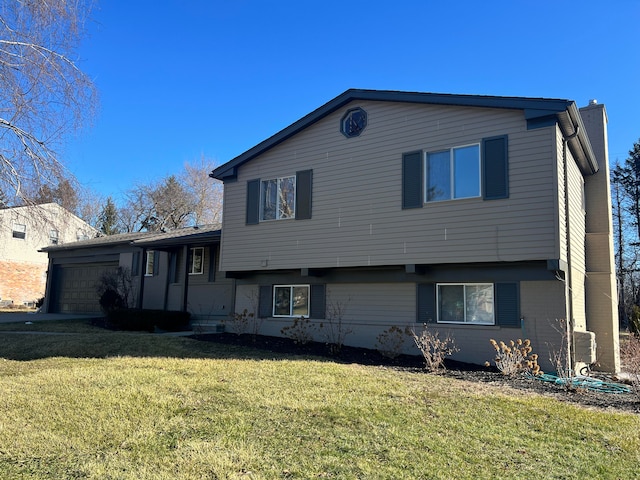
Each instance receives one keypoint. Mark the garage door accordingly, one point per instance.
(73, 287)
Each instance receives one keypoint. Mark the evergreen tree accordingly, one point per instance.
(625, 182)
(108, 220)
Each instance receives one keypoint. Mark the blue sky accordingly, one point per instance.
(179, 79)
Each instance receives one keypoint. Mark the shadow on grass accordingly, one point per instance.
(84, 339)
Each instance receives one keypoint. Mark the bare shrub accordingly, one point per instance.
(238, 323)
(515, 358)
(115, 289)
(300, 331)
(433, 348)
(391, 341)
(246, 321)
(333, 328)
(630, 353)
(560, 355)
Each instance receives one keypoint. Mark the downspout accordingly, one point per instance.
(569, 277)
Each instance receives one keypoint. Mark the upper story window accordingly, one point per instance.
(466, 303)
(150, 263)
(196, 261)
(470, 171)
(278, 198)
(453, 173)
(53, 237)
(353, 122)
(19, 231)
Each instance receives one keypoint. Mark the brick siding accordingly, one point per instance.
(22, 282)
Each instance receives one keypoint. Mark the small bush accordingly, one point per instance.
(300, 331)
(238, 323)
(391, 341)
(334, 329)
(117, 281)
(515, 358)
(111, 300)
(630, 355)
(433, 348)
(634, 320)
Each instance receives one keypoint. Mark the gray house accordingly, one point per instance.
(176, 270)
(484, 217)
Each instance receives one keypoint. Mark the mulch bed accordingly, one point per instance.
(614, 402)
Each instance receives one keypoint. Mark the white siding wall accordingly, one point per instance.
(357, 216)
(39, 222)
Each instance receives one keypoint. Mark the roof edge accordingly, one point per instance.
(535, 107)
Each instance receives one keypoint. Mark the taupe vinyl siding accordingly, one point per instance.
(357, 195)
(577, 234)
(375, 304)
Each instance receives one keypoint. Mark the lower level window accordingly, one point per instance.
(291, 301)
(466, 303)
(149, 265)
(196, 257)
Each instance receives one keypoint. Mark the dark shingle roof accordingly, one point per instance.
(145, 239)
(536, 110)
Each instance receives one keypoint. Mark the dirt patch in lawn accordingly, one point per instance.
(482, 377)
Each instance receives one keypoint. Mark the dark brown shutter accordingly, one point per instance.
(253, 202)
(495, 167)
(426, 308)
(412, 180)
(304, 184)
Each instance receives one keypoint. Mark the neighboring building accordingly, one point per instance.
(23, 232)
(485, 217)
(176, 270)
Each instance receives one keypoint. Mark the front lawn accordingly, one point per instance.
(111, 405)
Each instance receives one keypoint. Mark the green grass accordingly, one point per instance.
(110, 405)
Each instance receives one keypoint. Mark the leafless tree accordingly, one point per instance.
(44, 96)
(206, 192)
(137, 209)
(173, 205)
(164, 205)
(188, 198)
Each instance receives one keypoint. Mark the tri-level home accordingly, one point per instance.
(480, 216)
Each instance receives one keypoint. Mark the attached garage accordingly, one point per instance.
(75, 287)
(75, 270)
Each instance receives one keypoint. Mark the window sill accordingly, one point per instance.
(468, 324)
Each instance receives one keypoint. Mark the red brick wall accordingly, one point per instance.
(22, 282)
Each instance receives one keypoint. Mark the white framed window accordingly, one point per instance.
(149, 263)
(196, 261)
(19, 231)
(81, 235)
(278, 198)
(453, 173)
(466, 303)
(53, 237)
(291, 300)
